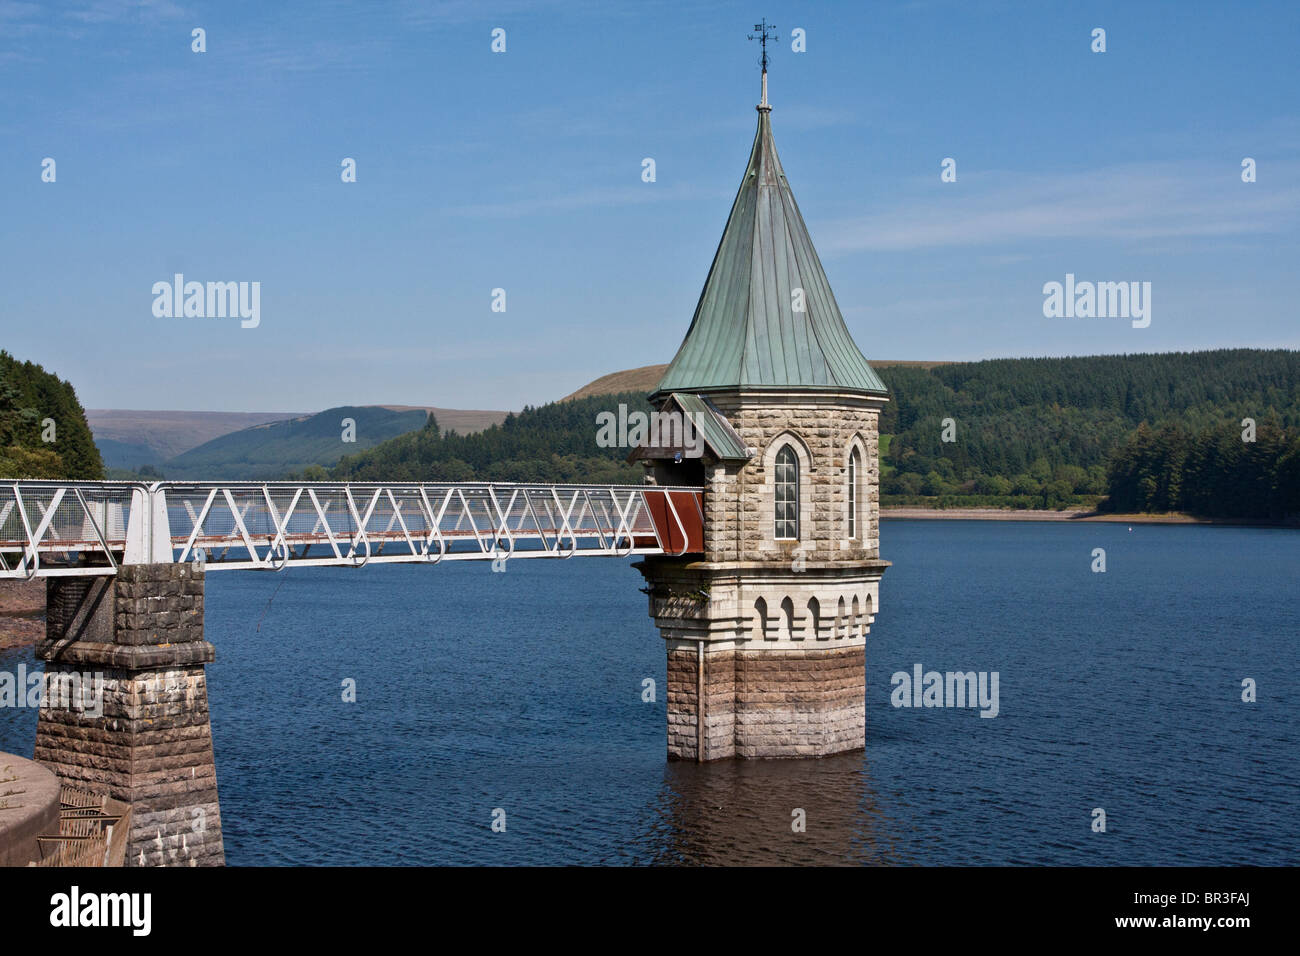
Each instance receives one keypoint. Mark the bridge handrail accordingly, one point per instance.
(272, 524)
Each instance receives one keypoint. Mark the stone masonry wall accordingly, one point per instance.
(802, 703)
(761, 703)
(719, 700)
(137, 638)
(738, 518)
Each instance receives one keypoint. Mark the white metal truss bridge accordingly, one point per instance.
(50, 528)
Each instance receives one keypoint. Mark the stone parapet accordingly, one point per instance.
(761, 605)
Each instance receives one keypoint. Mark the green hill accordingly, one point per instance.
(130, 437)
(1041, 432)
(276, 449)
(36, 405)
(128, 456)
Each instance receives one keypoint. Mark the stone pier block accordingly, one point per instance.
(126, 705)
(766, 703)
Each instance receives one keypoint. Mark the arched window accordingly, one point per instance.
(815, 617)
(853, 494)
(787, 495)
(787, 618)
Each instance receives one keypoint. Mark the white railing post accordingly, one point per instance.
(160, 532)
(148, 537)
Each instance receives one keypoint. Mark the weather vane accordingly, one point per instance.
(763, 32)
(762, 36)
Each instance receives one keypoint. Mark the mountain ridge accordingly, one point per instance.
(130, 438)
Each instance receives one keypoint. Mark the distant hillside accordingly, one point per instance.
(275, 449)
(120, 455)
(43, 430)
(1044, 432)
(465, 421)
(1028, 433)
(165, 434)
(645, 378)
(131, 438)
(906, 363)
(551, 443)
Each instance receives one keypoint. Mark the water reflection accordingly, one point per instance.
(739, 813)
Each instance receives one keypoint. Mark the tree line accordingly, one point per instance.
(1043, 432)
(43, 429)
(1223, 471)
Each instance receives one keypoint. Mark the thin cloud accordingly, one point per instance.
(118, 11)
(1129, 203)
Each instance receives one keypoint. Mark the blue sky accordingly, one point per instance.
(522, 171)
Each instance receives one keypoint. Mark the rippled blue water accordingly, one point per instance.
(523, 691)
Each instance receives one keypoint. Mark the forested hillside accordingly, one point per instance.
(551, 443)
(1028, 433)
(1041, 432)
(1212, 472)
(43, 430)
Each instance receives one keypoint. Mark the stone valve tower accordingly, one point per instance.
(766, 630)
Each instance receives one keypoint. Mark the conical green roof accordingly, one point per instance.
(746, 332)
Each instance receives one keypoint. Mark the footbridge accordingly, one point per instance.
(51, 528)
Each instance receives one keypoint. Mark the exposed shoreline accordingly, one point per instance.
(22, 612)
(1013, 514)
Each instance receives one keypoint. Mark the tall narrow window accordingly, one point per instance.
(853, 495)
(787, 495)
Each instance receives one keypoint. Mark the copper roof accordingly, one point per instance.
(747, 332)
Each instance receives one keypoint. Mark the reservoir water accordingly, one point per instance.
(523, 691)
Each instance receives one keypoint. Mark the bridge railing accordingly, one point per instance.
(53, 528)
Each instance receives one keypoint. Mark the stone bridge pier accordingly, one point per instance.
(126, 705)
